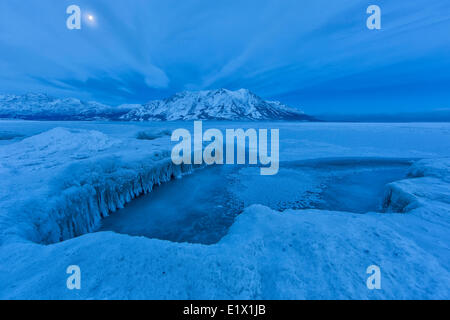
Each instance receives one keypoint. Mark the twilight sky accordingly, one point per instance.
(317, 55)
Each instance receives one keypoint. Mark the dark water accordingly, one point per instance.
(200, 208)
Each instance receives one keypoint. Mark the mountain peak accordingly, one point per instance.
(218, 104)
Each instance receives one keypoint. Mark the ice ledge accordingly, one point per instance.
(77, 209)
(427, 184)
(64, 197)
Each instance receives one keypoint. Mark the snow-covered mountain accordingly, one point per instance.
(39, 106)
(218, 104)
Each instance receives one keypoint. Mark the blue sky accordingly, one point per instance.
(316, 55)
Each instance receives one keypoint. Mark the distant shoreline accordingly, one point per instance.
(236, 121)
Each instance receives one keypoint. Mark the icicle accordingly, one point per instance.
(79, 209)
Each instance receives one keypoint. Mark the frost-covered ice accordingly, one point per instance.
(61, 179)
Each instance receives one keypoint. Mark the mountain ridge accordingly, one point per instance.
(40, 106)
(219, 104)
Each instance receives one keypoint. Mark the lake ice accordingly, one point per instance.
(104, 196)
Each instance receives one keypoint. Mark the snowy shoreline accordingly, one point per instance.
(295, 254)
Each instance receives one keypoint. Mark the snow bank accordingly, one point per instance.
(438, 168)
(427, 184)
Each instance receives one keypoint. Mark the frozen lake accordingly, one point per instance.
(200, 208)
(59, 179)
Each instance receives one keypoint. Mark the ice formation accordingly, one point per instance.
(86, 191)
